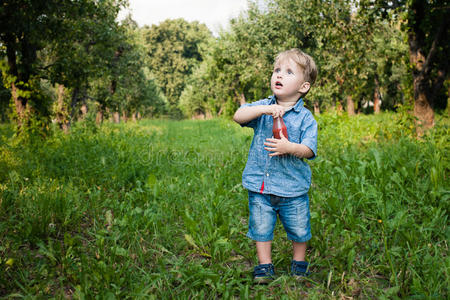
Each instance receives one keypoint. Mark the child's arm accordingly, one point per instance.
(245, 114)
(284, 146)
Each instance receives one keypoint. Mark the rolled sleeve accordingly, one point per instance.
(254, 122)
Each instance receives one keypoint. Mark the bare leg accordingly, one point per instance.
(264, 252)
(299, 251)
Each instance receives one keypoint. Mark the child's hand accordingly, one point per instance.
(275, 110)
(278, 146)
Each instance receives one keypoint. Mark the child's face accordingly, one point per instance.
(287, 81)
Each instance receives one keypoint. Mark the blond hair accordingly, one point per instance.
(306, 63)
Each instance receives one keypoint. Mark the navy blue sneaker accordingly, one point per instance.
(299, 269)
(263, 273)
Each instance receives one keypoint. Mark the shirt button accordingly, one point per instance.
(267, 174)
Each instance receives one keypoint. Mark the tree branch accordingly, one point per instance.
(427, 67)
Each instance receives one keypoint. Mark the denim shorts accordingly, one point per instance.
(292, 211)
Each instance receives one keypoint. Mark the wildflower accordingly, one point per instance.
(380, 221)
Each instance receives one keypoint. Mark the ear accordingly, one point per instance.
(304, 88)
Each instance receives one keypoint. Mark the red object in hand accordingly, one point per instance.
(278, 126)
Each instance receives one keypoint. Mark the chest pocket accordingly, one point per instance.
(293, 127)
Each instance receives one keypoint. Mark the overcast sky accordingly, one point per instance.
(215, 14)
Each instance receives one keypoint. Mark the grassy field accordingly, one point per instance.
(156, 210)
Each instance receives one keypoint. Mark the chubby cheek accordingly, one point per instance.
(273, 79)
(272, 85)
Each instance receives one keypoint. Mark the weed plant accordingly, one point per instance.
(156, 210)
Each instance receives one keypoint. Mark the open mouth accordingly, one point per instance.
(278, 84)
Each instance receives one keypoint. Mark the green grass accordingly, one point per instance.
(156, 210)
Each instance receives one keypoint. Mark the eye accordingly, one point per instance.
(277, 70)
(289, 71)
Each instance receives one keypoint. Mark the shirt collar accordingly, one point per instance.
(297, 107)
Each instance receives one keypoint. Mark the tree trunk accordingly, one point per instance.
(99, 117)
(116, 117)
(21, 105)
(220, 111)
(84, 111)
(316, 108)
(74, 102)
(19, 102)
(21, 57)
(422, 111)
(376, 97)
(198, 116)
(339, 108)
(242, 99)
(133, 117)
(350, 106)
(124, 116)
(61, 114)
(429, 69)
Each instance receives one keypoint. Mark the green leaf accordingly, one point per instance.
(190, 240)
(151, 180)
(121, 251)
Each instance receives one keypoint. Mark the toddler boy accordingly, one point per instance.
(276, 175)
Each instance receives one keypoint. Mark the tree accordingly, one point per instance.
(359, 48)
(23, 24)
(32, 29)
(136, 92)
(90, 53)
(427, 25)
(238, 64)
(174, 48)
(428, 38)
(391, 82)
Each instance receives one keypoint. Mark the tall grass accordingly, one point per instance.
(156, 210)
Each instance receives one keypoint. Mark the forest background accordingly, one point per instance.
(63, 62)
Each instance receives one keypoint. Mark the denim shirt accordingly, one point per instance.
(286, 175)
